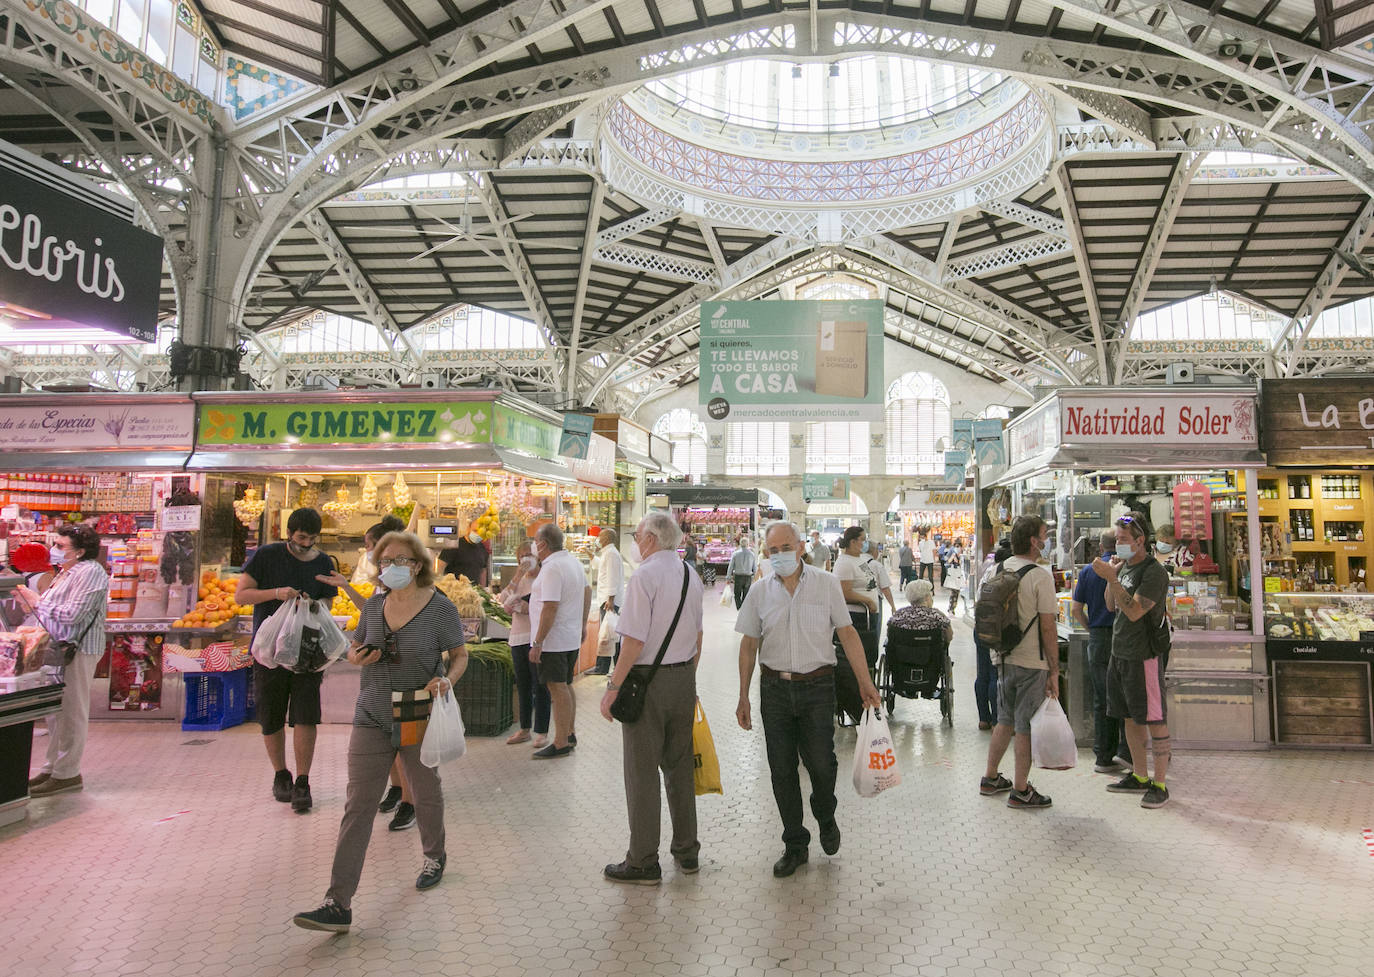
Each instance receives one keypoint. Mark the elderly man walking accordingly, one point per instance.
(559, 602)
(610, 586)
(661, 619)
(786, 622)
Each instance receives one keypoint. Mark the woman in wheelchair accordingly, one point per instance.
(921, 615)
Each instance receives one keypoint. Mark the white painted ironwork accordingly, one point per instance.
(637, 224)
(642, 259)
(1006, 256)
(1294, 335)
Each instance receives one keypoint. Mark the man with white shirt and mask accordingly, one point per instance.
(662, 612)
(610, 585)
(786, 623)
(559, 603)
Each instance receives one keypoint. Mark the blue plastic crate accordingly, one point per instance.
(215, 700)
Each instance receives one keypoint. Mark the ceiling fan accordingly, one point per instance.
(296, 285)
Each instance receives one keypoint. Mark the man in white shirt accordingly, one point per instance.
(1031, 671)
(610, 586)
(925, 549)
(820, 553)
(786, 623)
(559, 604)
(657, 610)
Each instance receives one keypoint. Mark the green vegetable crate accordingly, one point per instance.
(486, 692)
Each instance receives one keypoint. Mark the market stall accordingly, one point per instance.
(714, 517)
(27, 694)
(1083, 456)
(946, 513)
(1314, 506)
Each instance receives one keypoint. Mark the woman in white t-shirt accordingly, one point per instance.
(859, 581)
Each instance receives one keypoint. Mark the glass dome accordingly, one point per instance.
(827, 151)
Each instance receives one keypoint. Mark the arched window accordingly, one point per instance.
(687, 434)
(999, 412)
(917, 418)
(837, 447)
(756, 448)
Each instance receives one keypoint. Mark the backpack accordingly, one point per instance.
(996, 614)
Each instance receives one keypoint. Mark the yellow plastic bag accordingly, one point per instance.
(707, 766)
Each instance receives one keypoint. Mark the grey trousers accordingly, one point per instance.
(369, 762)
(67, 729)
(661, 739)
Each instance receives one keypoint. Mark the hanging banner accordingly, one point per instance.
(989, 448)
(577, 435)
(962, 436)
(825, 488)
(598, 468)
(956, 467)
(74, 264)
(789, 361)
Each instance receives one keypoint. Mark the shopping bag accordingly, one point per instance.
(444, 736)
(1052, 744)
(609, 620)
(726, 597)
(706, 765)
(322, 643)
(875, 764)
(264, 647)
(288, 646)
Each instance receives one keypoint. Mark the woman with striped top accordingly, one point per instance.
(71, 609)
(409, 643)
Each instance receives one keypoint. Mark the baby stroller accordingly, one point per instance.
(916, 665)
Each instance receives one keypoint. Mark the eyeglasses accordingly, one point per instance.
(400, 561)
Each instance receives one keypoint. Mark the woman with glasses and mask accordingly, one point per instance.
(71, 609)
(409, 643)
(532, 695)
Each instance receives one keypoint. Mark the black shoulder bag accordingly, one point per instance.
(629, 702)
(60, 653)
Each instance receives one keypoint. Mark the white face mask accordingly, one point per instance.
(784, 564)
(529, 563)
(474, 537)
(395, 577)
(1125, 551)
(1164, 547)
(56, 556)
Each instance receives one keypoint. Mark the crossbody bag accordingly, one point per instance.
(629, 702)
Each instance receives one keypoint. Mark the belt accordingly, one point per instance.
(672, 665)
(821, 672)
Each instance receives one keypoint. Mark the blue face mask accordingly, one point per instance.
(866, 547)
(783, 564)
(1125, 551)
(395, 577)
(1164, 547)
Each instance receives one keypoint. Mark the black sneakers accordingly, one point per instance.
(405, 817)
(301, 801)
(1029, 799)
(389, 802)
(1129, 784)
(987, 786)
(1156, 795)
(627, 873)
(281, 786)
(688, 865)
(331, 918)
(431, 872)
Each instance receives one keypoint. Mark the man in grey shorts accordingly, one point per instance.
(1030, 672)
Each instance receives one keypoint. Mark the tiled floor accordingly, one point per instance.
(175, 861)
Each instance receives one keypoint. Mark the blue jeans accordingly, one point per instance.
(799, 723)
(533, 696)
(985, 685)
(1106, 730)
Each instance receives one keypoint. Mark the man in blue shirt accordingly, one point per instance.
(1089, 609)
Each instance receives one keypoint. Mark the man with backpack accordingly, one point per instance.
(1015, 616)
(1136, 588)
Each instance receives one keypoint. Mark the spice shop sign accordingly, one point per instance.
(97, 427)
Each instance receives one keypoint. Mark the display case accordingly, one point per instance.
(1320, 648)
(26, 695)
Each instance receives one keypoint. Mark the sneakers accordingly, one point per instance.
(281, 786)
(301, 801)
(331, 918)
(405, 817)
(431, 872)
(830, 838)
(552, 752)
(994, 785)
(56, 785)
(1030, 798)
(389, 802)
(627, 873)
(688, 865)
(1110, 766)
(1129, 784)
(1156, 795)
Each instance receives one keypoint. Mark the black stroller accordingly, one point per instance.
(916, 665)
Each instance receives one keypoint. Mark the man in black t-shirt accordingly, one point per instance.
(470, 559)
(276, 573)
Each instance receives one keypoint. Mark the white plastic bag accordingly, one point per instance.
(609, 621)
(875, 764)
(1052, 745)
(288, 644)
(727, 596)
(444, 735)
(322, 643)
(264, 646)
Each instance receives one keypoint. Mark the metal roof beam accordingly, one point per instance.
(583, 272)
(1080, 257)
(1316, 300)
(1007, 256)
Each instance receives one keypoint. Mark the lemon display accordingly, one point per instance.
(343, 605)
